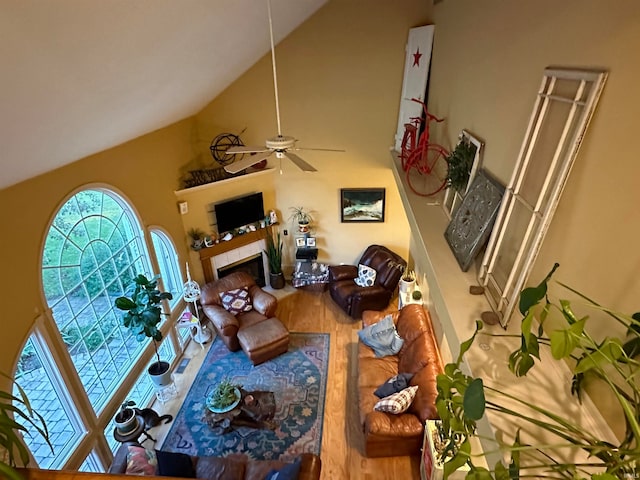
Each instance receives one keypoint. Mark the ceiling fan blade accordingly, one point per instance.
(240, 165)
(320, 149)
(304, 166)
(246, 149)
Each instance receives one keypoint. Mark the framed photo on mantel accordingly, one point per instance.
(362, 204)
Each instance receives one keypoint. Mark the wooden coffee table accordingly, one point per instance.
(255, 410)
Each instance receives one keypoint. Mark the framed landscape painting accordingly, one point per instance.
(362, 204)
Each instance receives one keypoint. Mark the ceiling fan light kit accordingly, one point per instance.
(280, 144)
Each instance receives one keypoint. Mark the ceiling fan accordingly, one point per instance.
(281, 145)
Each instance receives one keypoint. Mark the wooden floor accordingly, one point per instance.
(342, 439)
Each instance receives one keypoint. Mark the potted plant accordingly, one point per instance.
(460, 163)
(17, 417)
(142, 315)
(435, 453)
(407, 282)
(274, 258)
(224, 397)
(303, 217)
(197, 238)
(125, 419)
(461, 400)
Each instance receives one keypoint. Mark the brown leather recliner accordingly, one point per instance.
(354, 299)
(226, 324)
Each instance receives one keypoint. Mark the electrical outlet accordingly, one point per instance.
(184, 208)
(286, 232)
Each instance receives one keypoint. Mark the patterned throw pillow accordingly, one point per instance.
(366, 276)
(236, 301)
(382, 337)
(141, 461)
(398, 402)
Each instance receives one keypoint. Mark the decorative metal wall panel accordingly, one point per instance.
(472, 222)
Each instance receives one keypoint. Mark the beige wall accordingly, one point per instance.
(488, 62)
(145, 171)
(339, 77)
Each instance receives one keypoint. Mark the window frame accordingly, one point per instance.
(91, 421)
(503, 296)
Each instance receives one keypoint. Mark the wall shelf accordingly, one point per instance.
(207, 186)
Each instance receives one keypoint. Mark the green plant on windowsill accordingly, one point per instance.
(16, 417)
(460, 163)
(142, 307)
(461, 400)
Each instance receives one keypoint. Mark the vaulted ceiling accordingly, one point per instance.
(81, 76)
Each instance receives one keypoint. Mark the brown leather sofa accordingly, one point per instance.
(234, 467)
(387, 434)
(354, 299)
(257, 332)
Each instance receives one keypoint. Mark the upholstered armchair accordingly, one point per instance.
(354, 298)
(227, 324)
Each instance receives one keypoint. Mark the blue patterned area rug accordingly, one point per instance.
(298, 379)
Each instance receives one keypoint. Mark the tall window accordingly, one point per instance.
(93, 249)
(168, 263)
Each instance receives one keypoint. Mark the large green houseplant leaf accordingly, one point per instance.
(461, 400)
(17, 417)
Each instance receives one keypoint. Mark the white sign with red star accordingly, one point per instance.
(416, 74)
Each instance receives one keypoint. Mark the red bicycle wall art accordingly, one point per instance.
(424, 162)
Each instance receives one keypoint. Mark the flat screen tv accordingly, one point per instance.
(237, 212)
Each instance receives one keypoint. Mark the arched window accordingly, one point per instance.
(94, 247)
(168, 263)
(93, 250)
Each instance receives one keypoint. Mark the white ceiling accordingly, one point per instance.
(81, 76)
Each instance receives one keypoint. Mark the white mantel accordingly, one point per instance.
(239, 248)
(240, 254)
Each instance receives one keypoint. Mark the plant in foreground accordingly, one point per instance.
(17, 417)
(461, 400)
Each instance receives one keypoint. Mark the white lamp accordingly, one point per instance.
(191, 294)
